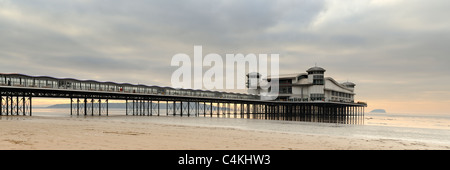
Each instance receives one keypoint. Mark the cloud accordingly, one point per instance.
(389, 48)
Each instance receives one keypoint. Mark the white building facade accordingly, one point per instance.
(311, 86)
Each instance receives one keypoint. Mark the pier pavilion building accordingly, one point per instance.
(309, 86)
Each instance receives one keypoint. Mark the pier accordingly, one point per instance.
(92, 98)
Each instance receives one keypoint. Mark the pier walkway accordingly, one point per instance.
(90, 97)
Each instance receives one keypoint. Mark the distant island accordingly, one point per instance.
(378, 111)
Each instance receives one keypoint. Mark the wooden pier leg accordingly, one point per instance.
(255, 111)
(78, 106)
(277, 112)
(181, 108)
(71, 106)
(1, 105)
(150, 109)
(107, 107)
(17, 105)
(31, 106)
(293, 114)
(198, 109)
(218, 109)
(7, 105)
(138, 107)
(221, 109)
(229, 110)
(235, 110)
(189, 108)
(133, 106)
(211, 109)
(92, 107)
(254, 115)
(204, 109)
(248, 110)
(265, 111)
(85, 106)
(174, 110)
(241, 110)
(12, 105)
(99, 107)
(141, 107)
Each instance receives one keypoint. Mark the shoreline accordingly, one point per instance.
(75, 133)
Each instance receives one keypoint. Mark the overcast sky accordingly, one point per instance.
(395, 51)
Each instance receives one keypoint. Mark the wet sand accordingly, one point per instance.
(72, 133)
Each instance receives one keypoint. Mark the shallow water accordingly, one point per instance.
(408, 120)
(412, 127)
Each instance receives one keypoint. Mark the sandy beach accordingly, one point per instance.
(75, 133)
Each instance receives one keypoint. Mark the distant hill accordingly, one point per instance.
(110, 105)
(378, 111)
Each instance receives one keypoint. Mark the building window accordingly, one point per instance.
(317, 96)
(302, 77)
(318, 80)
(285, 90)
(285, 81)
(316, 72)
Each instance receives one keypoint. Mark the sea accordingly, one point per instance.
(434, 128)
